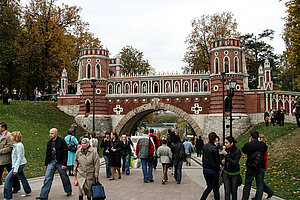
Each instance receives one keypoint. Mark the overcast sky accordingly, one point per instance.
(159, 27)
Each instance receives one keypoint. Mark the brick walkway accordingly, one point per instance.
(132, 187)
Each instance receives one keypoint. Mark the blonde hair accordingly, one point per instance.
(263, 138)
(17, 136)
(123, 137)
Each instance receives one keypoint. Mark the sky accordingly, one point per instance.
(159, 28)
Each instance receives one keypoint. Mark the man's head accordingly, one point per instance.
(254, 135)
(3, 127)
(53, 133)
(151, 130)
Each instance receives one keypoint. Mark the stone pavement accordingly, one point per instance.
(132, 187)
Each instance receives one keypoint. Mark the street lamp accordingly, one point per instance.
(93, 85)
(223, 103)
(230, 85)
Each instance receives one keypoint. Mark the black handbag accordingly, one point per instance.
(71, 147)
(98, 191)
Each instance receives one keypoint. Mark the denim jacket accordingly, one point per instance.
(18, 156)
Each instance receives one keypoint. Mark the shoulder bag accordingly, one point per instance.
(71, 147)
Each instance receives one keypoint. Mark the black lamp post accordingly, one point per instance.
(93, 85)
(223, 97)
(230, 85)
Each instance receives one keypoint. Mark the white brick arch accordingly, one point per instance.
(130, 120)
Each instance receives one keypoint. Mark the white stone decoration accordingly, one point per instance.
(226, 52)
(168, 99)
(177, 99)
(126, 100)
(98, 91)
(81, 91)
(196, 98)
(205, 98)
(118, 100)
(216, 53)
(118, 109)
(187, 99)
(109, 100)
(196, 109)
(238, 87)
(144, 100)
(236, 53)
(216, 88)
(135, 100)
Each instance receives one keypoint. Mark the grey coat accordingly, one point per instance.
(6, 147)
(164, 153)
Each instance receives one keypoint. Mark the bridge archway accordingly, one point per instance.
(132, 118)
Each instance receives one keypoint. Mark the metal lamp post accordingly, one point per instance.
(230, 85)
(223, 98)
(93, 85)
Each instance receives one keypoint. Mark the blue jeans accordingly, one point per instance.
(108, 173)
(178, 170)
(9, 182)
(49, 175)
(126, 163)
(230, 186)
(267, 190)
(212, 182)
(259, 178)
(147, 170)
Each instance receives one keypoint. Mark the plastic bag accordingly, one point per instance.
(75, 181)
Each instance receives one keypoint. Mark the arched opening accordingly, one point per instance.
(186, 87)
(135, 88)
(110, 89)
(216, 65)
(176, 87)
(236, 64)
(196, 86)
(132, 120)
(127, 88)
(118, 88)
(226, 64)
(87, 106)
(205, 86)
(98, 71)
(88, 71)
(155, 88)
(144, 86)
(168, 87)
(82, 71)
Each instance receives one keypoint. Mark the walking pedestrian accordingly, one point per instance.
(18, 164)
(178, 156)
(255, 151)
(145, 150)
(266, 118)
(281, 113)
(272, 116)
(94, 141)
(70, 139)
(56, 159)
(125, 154)
(6, 147)
(297, 112)
(156, 143)
(164, 153)
(266, 188)
(189, 149)
(211, 167)
(114, 156)
(231, 174)
(86, 168)
(199, 145)
(105, 145)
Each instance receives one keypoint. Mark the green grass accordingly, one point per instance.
(283, 174)
(34, 120)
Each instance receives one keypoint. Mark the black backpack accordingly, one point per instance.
(255, 160)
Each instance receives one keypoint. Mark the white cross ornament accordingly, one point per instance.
(118, 109)
(196, 109)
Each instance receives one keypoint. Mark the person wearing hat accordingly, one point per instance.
(164, 154)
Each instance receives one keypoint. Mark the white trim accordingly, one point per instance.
(87, 101)
(86, 71)
(184, 89)
(205, 81)
(112, 88)
(224, 69)
(125, 86)
(73, 97)
(194, 83)
(98, 76)
(216, 58)
(169, 89)
(133, 87)
(238, 64)
(176, 82)
(144, 84)
(118, 90)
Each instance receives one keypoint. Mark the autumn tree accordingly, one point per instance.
(9, 36)
(206, 29)
(257, 50)
(54, 36)
(133, 61)
(291, 56)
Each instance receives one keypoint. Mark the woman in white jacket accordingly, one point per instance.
(18, 164)
(164, 153)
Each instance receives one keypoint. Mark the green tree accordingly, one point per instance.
(205, 30)
(257, 51)
(9, 36)
(133, 61)
(291, 57)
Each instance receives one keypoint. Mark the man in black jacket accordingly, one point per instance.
(255, 164)
(56, 159)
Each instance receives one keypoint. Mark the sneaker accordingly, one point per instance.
(269, 196)
(151, 181)
(69, 194)
(25, 195)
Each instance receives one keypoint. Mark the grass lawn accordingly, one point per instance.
(34, 120)
(283, 173)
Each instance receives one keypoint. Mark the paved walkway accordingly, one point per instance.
(132, 187)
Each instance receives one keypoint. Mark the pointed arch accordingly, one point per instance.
(226, 64)
(155, 87)
(236, 64)
(88, 70)
(216, 66)
(98, 71)
(205, 86)
(176, 87)
(167, 87)
(196, 86)
(144, 87)
(186, 86)
(110, 88)
(118, 88)
(127, 88)
(135, 89)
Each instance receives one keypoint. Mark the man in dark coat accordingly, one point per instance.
(199, 145)
(297, 112)
(56, 159)
(255, 164)
(281, 113)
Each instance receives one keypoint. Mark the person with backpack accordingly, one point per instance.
(178, 155)
(255, 151)
(72, 148)
(157, 144)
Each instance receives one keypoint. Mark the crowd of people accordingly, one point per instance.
(80, 158)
